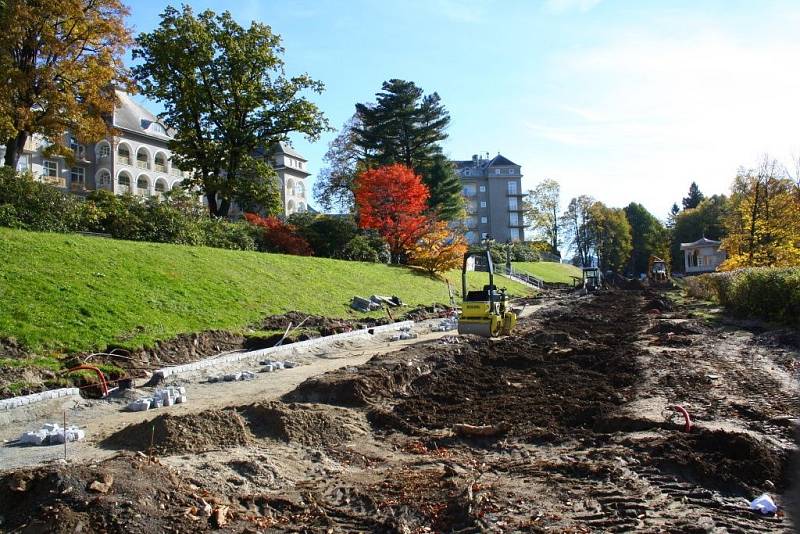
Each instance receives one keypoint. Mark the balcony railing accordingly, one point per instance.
(142, 191)
(79, 187)
(55, 181)
(125, 160)
(143, 164)
(160, 168)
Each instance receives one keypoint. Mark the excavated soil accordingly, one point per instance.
(302, 423)
(577, 405)
(181, 434)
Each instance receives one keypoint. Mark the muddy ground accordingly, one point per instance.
(584, 439)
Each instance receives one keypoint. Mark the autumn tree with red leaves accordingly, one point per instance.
(279, 236)
(392, 200)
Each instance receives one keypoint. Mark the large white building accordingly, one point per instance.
(136, 160)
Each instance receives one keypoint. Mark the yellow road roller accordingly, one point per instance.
(484, 313)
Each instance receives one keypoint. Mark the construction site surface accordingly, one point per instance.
(573, 423)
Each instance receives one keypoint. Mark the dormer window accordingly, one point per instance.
(158, 128)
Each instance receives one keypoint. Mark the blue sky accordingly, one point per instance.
(622, 100)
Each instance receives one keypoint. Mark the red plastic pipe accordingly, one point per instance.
(688, 426)
(100, 375)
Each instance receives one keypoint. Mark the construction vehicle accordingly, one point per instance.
(657, 273)
(592, 279)
(486, 312)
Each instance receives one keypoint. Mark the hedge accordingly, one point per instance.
(769, 293)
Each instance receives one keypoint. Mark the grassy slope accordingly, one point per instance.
(69, 292)
(549, 271)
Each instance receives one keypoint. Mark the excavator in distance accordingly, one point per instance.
(484, 313)
(657, 274)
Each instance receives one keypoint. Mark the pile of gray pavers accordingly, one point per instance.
(51, 434)
(375, 302)
(404, 333)
(232, 377)
(447, 324)
(161, 397)
(276, 365)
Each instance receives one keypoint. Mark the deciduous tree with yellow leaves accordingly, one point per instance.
(439, 249)
(59, 62)
(763, 222)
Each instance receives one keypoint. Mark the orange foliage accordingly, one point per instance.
(279, 236)
(439, 249)
(392, 200)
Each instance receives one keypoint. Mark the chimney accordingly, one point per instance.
(475, 160)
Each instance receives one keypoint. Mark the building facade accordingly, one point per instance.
(137, 161)
(493, 194)
(702, 256)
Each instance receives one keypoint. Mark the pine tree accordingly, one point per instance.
(446, 200)
(695, 197)
(405, 126)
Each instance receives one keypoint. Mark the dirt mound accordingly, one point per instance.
(539, 379)
(658, 303)
(303, 423)
(381, 377)
(720, 458)
(672, 327)
(180, 434)
(140, 497)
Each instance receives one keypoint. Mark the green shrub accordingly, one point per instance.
(220, 233)
(359, 249)
(764, 292)
(38, 206)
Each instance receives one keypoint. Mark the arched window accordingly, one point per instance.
(161, 186)
(299, 189)
(160, 162)
(290, 207)
(290, 186)
(142, 158)
(124, 154)
(301, 207)
(124, 181)
(102, 150)
(143, 186)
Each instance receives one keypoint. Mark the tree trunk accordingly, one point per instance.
(14, 147)
(211, 198)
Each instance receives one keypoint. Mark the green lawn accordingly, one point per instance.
(549, 271)
(68, 292)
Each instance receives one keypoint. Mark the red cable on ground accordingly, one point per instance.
(688, 426)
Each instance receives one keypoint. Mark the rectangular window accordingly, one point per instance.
(483, 203)
(469, 190)
(515, 234)
(484, 220)
(472, 206)
(512, 203)
(514, 219)
(483, 189)
(77, 175)
(512, 187)
(511, 171)
(497, 171)
(50, 168)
